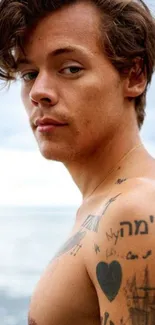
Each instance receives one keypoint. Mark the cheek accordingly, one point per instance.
(91, 100)
(103, 98)
(96, 107)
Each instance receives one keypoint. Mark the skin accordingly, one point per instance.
(101, 127)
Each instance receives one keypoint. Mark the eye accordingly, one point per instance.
(28, 76)
(71, 70)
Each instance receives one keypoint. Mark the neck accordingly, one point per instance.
(89, 172)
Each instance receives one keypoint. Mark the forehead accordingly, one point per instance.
(75, 24)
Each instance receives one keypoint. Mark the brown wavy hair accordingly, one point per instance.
(127, 32)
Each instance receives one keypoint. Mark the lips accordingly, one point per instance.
(48, 121)
(47, 124)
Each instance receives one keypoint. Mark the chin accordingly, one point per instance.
(61, 152)
(50, 151)
(50, 155)
(54, 153)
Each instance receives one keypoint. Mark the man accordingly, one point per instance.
(85, 67)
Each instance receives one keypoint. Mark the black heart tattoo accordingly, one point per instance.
(109, 277)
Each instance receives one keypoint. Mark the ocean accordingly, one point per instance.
(29, 238)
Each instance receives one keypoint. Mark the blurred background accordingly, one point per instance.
(38, 203)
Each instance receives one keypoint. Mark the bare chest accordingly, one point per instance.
(64, 295)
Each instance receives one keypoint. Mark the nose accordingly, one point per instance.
(43, 92)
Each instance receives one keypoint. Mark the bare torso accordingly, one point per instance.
(65, 294)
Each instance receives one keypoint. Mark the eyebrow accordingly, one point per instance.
(67, 49)
(55, 53)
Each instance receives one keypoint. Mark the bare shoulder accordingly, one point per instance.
(130, 214)
(134, 189)
(130, 202)
(119, 256)
(133, 199)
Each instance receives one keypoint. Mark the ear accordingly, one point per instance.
(136, 81)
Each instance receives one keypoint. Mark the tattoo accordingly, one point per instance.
(109, 277)
(152, 219)
(141, 300)
(92, 222)
(130, 256)
(105, 320)
(112, 235)
(31, 321)
(125, 322)
(141, 228)
(113, 199)
(72, 243)
(138, 224)
(149, 253)
(111, 252)
(120, 181)
(97, 248)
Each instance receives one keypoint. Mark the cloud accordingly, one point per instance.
(14, 121)
(28, 179)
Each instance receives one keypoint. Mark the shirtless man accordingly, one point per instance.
(85, 67)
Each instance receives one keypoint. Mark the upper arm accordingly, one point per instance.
(120, 260)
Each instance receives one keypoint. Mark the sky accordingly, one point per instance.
(26, 178)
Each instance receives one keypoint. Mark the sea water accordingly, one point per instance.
(29, 238)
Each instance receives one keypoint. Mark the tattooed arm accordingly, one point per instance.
(120, 261)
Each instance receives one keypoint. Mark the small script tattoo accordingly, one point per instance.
(105, 319)
(113, 235)
(92, 222)
(141, 300)
(133, 256)
(138, 227)
(109, 277)
(110, 252)
(149, 253)
(97, 248)
(120, 181)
